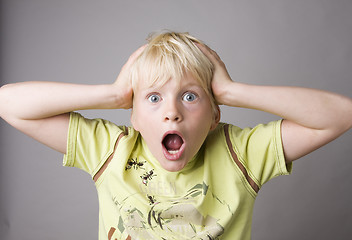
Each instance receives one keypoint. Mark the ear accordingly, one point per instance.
(217, 117)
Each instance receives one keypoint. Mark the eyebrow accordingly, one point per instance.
(157, 88)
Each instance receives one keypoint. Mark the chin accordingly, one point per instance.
(173, 166)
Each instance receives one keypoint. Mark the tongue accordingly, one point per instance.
(173, 142)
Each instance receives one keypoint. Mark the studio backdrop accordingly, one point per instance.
(304, 43)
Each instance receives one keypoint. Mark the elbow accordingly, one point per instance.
(2, 100)
(349, 122)
(348, 116)
(5, 104)
(342, 120)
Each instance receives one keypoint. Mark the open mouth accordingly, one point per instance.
(173, 145)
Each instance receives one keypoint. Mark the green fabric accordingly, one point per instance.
(209, 199)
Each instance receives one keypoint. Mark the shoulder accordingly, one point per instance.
(258, 133)
(233, 131)
(81, 125)
(248, 141)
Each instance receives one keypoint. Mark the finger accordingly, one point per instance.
(211, 54)
(136, 53)
(132, 58)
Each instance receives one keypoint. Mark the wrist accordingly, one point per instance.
(230, 94)
(122, 96)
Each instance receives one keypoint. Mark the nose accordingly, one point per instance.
(172, 112)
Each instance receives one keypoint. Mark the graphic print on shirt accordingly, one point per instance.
(147, 213)
(152, 200)
(147, 176)
(135, 164)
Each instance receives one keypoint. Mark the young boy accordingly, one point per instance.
(177, 173)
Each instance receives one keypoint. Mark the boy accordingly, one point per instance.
(177, 173)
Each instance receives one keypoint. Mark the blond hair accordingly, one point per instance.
(172, 55)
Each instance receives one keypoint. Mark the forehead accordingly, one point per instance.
(171, 83)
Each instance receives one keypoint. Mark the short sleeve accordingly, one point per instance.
(260, 150)
(90, 142)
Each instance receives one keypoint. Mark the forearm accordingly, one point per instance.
(310, 108)
(37, 100)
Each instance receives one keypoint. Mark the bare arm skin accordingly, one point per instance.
(41, 109)
(312, 117)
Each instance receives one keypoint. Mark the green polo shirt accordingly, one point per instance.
(211, 198)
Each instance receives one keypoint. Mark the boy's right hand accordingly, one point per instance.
(123, 84)
(40, 109)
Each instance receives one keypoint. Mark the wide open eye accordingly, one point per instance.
(189, 97)
(154, 98)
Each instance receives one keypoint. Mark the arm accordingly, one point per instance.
(312, 117)
(40, 109)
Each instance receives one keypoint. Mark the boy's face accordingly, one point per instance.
(173, 119)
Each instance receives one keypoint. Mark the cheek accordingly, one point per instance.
(141, 117)
(201, 112)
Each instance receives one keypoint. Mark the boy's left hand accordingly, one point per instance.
(221, 77)
(312, 117)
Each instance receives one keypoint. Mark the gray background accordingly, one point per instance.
(302, 42)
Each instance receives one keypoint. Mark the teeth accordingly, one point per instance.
(173, 151)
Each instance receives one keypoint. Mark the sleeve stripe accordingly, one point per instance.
(105, 165)
(239, 164)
